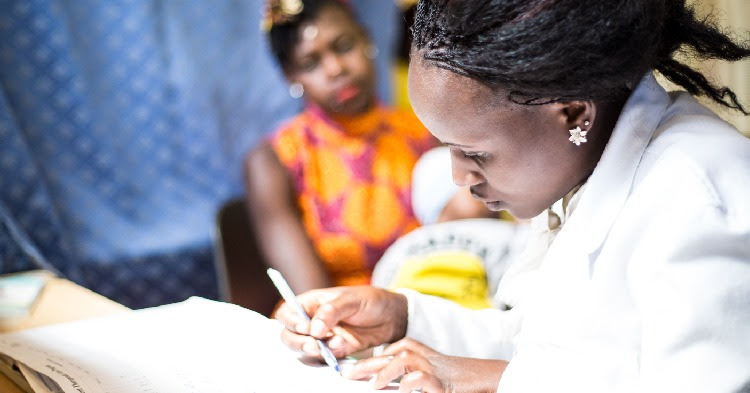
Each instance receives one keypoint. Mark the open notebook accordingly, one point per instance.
(196, 346)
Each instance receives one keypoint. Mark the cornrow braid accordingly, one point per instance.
(543, 51)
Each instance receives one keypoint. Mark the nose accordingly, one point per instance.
(333, 65)
(464, 174)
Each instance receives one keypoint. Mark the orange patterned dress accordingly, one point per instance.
(352, 178)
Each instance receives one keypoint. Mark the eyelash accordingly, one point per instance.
(344, 45)
(476, 157)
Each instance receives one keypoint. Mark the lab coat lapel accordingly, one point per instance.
(609, 185)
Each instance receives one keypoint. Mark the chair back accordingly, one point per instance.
(241, 270)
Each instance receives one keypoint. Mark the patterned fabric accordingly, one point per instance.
(353, 181)
(123, 124)
(461, 260)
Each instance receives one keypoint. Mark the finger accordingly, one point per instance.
(300, 343)
(342, 342)
(339, 346)
(331, 313)
(365, 368)
(428, 383)
(291, 319)
(408, 344)
(401, 364)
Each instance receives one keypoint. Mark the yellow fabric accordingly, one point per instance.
(400, 85)
(454, 275)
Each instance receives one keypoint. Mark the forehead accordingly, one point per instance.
(445, 100)
(330, 23)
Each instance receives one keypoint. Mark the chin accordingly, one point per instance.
(495, 206)
(355, 106)
(525, 213)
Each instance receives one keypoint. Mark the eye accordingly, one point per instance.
(478, 157)
(308, 63)
(343, 44)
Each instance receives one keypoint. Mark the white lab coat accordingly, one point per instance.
(647, 286)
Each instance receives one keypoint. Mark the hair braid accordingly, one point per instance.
(684, 33)
(554, 50)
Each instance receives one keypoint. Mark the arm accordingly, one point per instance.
(457, 331)
(276, 218)
(691, 289)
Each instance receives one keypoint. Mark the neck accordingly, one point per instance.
(607, 115)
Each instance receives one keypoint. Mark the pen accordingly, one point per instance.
(288, 295)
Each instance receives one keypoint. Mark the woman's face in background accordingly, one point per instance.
(512, 157)
(330, 61)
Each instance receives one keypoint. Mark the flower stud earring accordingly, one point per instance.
(578, 135)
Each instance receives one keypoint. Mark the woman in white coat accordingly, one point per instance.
(638, 277)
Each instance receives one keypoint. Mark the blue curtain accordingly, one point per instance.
(123, 125)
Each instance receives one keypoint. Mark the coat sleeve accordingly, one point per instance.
(692, 289)
(457, 331)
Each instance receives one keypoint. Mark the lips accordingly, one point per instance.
(493, 205)
(347, 93)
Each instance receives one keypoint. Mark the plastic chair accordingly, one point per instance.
(240, 268)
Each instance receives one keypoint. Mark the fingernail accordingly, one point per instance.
(301, 328)
(309, 347)
(378, 351)
(317, 327)
(373, 382)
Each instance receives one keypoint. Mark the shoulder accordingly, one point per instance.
(697, 159)
(287, 140)
(478, 235)
(486, 241)
(291, 127)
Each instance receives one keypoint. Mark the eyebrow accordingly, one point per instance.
(456, 145)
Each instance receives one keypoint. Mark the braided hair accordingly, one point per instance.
(542, 51)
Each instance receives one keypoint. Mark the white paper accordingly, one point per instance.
(39, 383)
(196, 346)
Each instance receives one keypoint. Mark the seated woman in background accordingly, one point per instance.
(314, 187)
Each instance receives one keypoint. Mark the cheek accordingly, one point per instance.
(315, 88)
(513, 177)
(359, 64)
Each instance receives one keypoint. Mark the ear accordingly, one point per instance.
(289, 74)
(577, 114)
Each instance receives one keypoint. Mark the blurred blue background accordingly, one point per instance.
(123, 125)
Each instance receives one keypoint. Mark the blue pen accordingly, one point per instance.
(288, 295)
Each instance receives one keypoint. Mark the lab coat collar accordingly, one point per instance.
(608, 186)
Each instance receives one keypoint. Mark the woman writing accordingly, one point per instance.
(313, 187)
(638, 278)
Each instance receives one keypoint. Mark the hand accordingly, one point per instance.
(423, 368)
(349, 319)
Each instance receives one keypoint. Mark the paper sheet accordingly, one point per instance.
(195, 346)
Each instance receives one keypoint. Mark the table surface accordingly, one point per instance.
(61, 301)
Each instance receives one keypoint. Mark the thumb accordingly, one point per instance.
(329, 314)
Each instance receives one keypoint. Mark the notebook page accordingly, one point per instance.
(195, 346)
